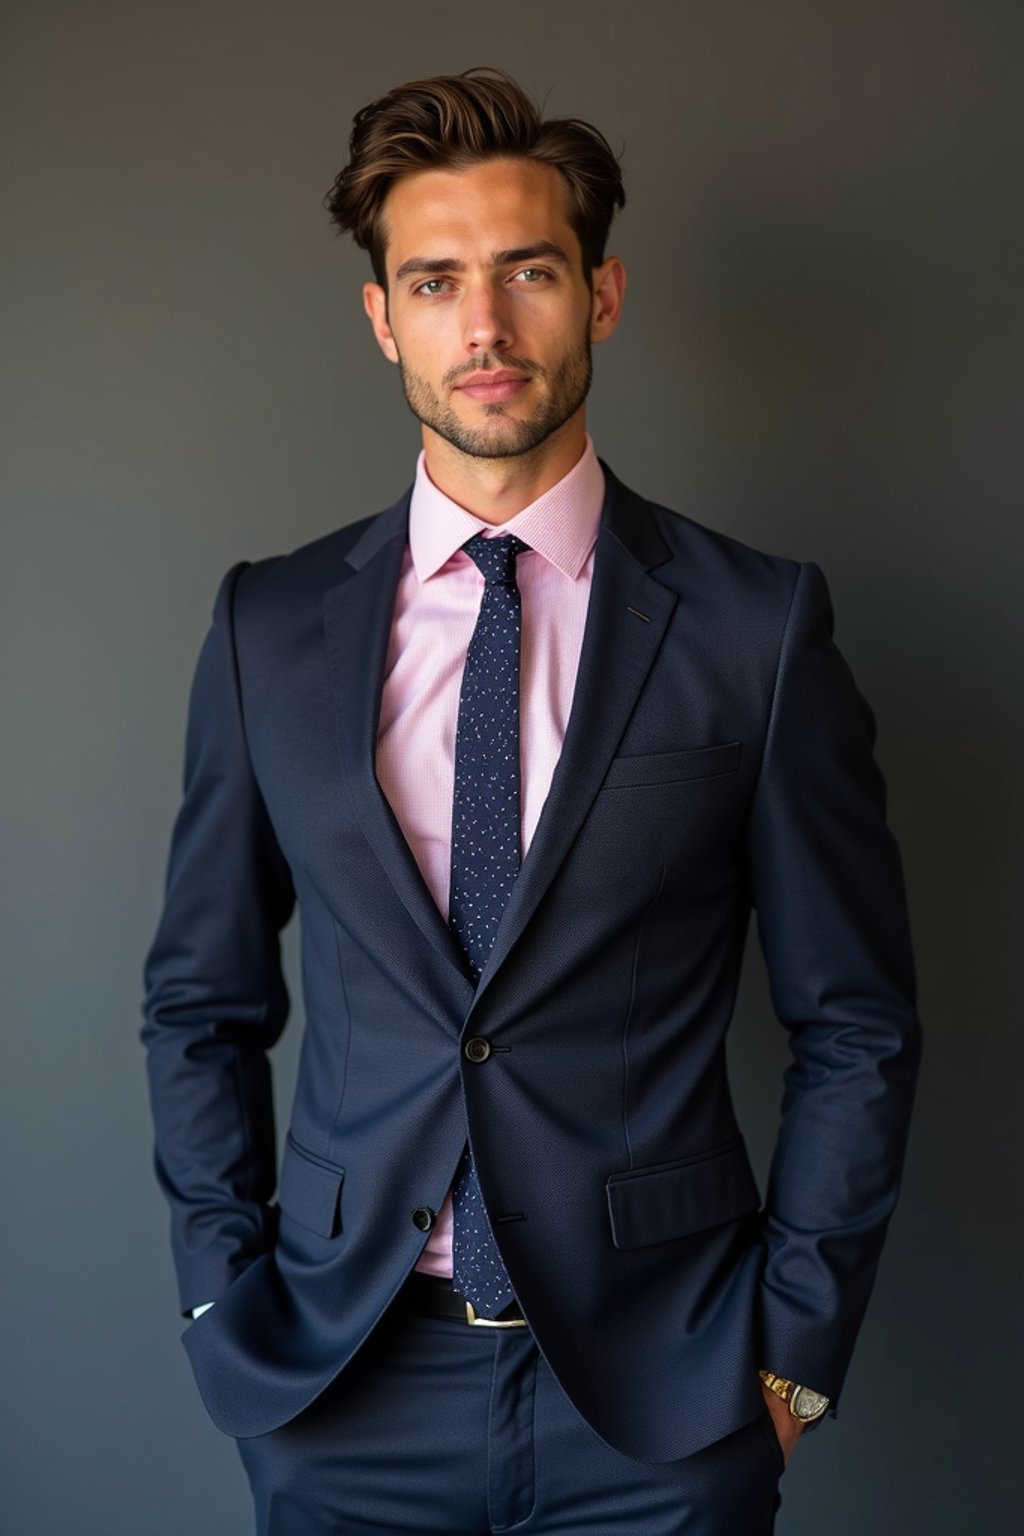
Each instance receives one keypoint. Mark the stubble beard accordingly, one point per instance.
(570, 386)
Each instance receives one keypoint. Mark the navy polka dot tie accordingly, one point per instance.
(485, 857)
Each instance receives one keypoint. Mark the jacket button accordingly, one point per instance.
(424, 1217)
(478, 1049)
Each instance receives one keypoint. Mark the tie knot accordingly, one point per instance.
(496, 558)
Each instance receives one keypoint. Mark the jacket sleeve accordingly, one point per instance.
(827, 885)
(215, 997)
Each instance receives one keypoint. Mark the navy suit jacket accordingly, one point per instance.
(717, 761)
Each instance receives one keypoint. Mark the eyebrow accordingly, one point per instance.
(434, 265)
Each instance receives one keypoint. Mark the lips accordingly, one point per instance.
(501, 384)
(494, 376)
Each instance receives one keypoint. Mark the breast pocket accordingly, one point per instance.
(673, 767)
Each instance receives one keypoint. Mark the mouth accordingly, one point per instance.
(501, 388)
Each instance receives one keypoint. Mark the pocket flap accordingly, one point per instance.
(309, 1189)
(666, 1200)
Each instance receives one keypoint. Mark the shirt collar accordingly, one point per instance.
(561, 525)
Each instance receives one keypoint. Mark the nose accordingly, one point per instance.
(488, 321)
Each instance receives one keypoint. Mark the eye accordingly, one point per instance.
(537, 272)
(428, 283)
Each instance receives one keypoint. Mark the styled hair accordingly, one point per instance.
(455, 121)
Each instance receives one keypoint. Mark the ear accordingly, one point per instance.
(609, 280)
(375, 304)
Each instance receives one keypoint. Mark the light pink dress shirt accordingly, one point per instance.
(436, 608)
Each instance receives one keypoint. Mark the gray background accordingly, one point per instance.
(820, 354)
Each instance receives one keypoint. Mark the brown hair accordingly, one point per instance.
(460, 120)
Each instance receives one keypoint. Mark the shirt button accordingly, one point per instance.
(424, 1217)
(478, 1049)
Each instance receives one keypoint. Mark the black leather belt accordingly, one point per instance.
(435, 1296)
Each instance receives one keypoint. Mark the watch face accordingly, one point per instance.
(807, 1404)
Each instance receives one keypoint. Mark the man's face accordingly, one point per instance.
(454, 311)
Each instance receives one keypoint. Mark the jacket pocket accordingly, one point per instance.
(672, 767)
(667, 1200)
(309, 1189)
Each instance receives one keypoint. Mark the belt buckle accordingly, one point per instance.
(491, 1322)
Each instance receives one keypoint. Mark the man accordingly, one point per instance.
(526, 750)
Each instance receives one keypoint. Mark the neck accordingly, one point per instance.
(496, 489)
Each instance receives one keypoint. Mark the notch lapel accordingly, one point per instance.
(357, 628)
(627, 615)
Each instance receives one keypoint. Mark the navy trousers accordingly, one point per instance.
(436, 1426)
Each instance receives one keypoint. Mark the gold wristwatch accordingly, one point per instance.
(803, 1403)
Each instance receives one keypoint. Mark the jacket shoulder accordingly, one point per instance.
(722, 553)
(277, 587)
(319, 562)
(691, 555)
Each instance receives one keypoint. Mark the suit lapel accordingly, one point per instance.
(357, 627)
(627, 614)
(626, 618)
